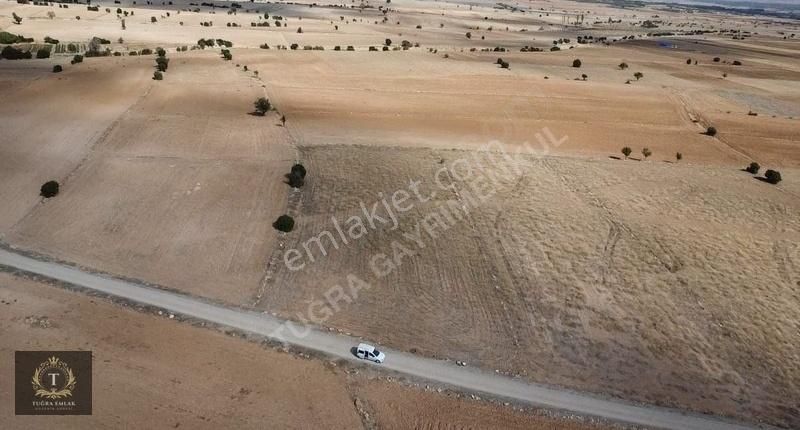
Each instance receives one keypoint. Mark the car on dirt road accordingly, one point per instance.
(369, 352)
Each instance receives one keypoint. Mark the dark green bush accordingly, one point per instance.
(262, 105)
(162, 63)
(49, 189)
(299, 169)
(295, 180)
(12, 53)
(284, 223)
(57, 68)
(7, 38)
(773, 176)
(43, 53)
(753, 168)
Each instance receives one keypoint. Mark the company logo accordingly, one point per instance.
(53, 379)
(53, 382)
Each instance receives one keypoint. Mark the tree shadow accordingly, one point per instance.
(614, 157)
(256, 113)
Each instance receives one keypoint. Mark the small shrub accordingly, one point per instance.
(295, 180)
(753, 168)
(646, 152)
(638, 75)
(623, 66)
(12, 53)
(161, 52)
(153, 19)
(678, 156)
(43, 53)
(773, 176)
(626, 151)
(577, 63)
(284, 223)
(157, 75)
(162, 63)
(262, 105)
(49, 189)
(711, 131)
(77, 59)
(299, 169)
(57, 68)
(7, 38)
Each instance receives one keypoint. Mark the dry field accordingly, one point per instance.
(146, 376)
(645, 280)
(180, 191)
(49, 125)
(666, 282)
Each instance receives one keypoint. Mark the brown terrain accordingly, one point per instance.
(156, 373)
(651, 279)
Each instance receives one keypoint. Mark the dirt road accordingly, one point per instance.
(339, 346)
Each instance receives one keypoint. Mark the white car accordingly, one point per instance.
(369, 352)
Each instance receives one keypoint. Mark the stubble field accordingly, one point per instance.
(662, 281)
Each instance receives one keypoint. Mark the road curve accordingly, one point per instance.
(339, 346)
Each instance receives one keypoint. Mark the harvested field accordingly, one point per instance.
(583, 273)
(180, 192)
(145, 376)
(52, 125)
(664, 278)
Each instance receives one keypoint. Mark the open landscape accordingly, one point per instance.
(598, 197)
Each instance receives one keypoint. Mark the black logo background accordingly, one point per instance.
(25, 364)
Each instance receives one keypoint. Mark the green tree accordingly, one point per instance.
(773, 176)
(626, 151)
(262, 106)
(284, 223)
(49, 189)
